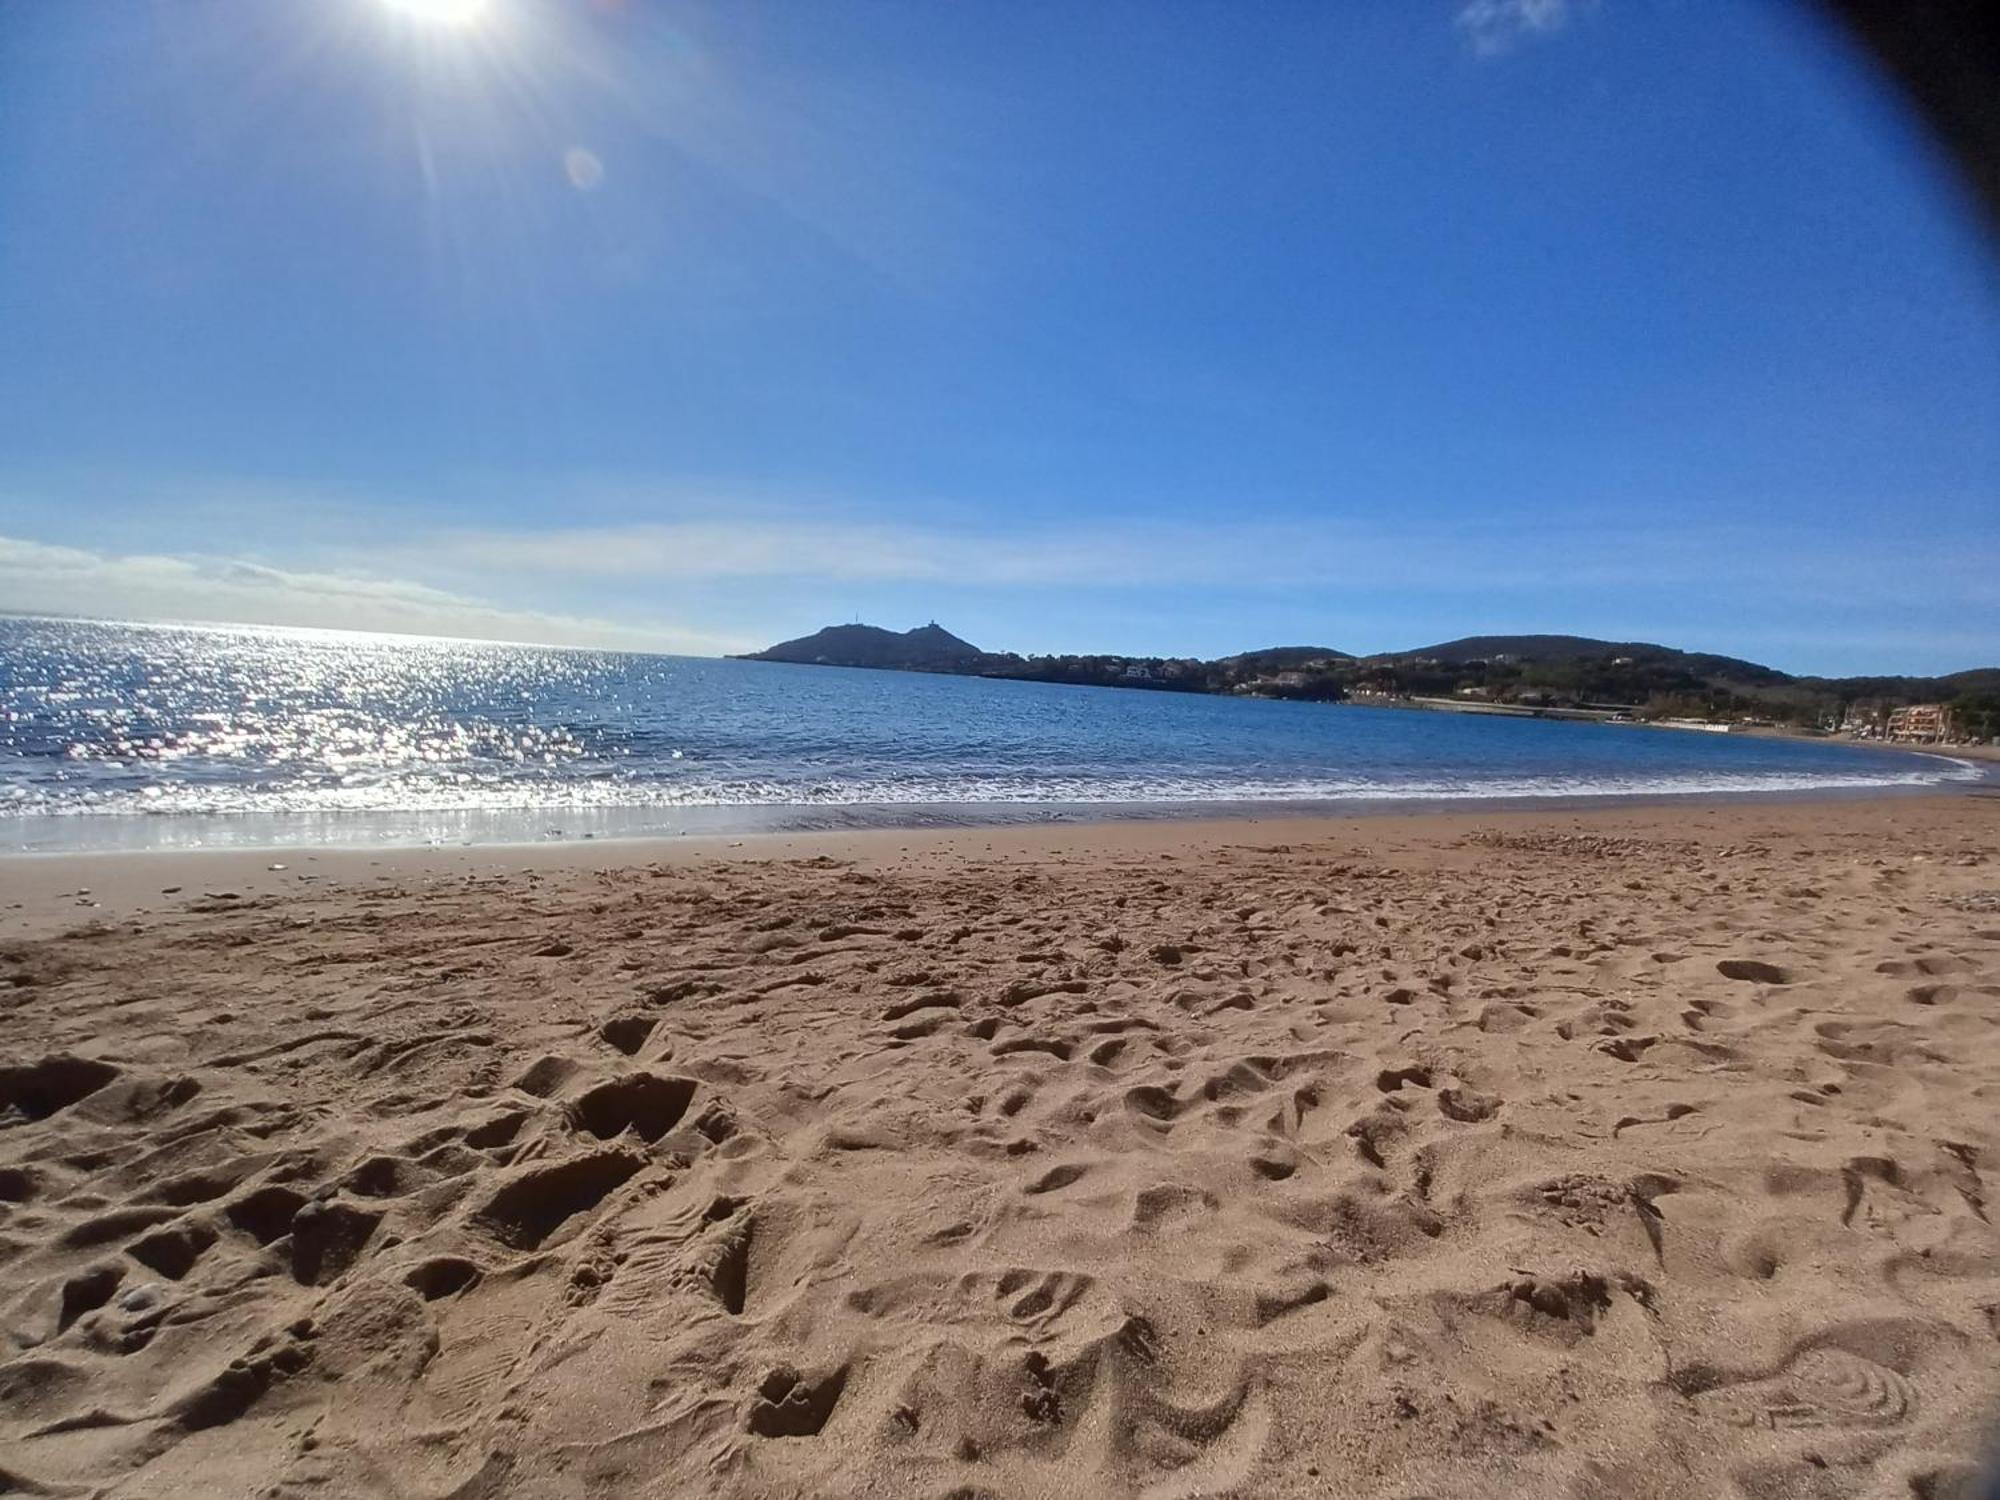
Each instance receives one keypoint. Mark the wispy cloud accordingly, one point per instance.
(734, 579)
(1138, 553)
(609, 551)
(36, 577)
(1491, 27)
(1333, 552)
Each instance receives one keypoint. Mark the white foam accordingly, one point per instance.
(389, 794)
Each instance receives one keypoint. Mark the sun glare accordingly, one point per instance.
(440, 12)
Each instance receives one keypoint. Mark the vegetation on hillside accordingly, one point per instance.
(1527, 671)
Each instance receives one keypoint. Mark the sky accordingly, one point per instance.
(1166, 327)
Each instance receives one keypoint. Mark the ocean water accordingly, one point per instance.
(116, 736)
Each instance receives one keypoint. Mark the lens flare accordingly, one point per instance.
(584, 170)
(459, 13)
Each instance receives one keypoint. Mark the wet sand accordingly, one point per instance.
(1632, 1152)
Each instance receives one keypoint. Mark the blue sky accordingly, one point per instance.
(1157, 327)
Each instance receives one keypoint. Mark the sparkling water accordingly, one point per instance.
(116, 735)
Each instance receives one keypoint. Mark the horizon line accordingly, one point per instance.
(157, 623)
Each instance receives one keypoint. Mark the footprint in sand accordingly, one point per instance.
(1753, 971)
(532, 1205)
(1057, 1178)
(44, 1088)
(1821, 1387)
(791, 1405)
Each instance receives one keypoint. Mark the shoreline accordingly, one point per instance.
(127, 834)
(45, 891)
(1983, 753)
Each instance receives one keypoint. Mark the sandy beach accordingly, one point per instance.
(1640, 1152)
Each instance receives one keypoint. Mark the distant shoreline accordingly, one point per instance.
(1520, 676)
(1948, 752)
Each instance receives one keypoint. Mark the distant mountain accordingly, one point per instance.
(928, 648)
(1554, 648)
(1521, 673)
(1521, 647)
(1284, 658)
(1975, 680)
(932, 648)
(1278, 672)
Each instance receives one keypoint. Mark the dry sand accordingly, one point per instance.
(1636, 1153)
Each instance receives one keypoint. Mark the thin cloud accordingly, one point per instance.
(1137, 553)
(1491, 27)
(739, 580)
(1339, 554)
(36, 578)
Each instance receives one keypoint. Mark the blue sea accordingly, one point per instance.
(129, 736)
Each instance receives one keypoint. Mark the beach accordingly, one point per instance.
(1637, 1151)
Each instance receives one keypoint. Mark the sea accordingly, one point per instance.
(130, 736)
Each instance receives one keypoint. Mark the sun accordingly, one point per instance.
(447, 13)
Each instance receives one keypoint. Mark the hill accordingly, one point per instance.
(1284, 658)
(1550, 648)
(1524, 673)
(1486, 647)
(928, 648)
(1310, 672)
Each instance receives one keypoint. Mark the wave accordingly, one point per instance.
(407, 796)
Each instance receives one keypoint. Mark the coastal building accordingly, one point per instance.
(1921, 723)
(1860, 723)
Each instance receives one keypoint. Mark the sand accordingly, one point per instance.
(1644, 1152)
